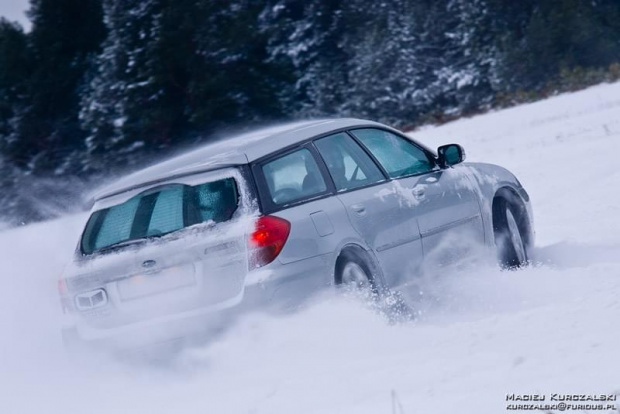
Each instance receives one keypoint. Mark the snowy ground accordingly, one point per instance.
(552, 328)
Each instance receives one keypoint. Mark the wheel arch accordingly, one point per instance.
(511, 196)
(365, 254)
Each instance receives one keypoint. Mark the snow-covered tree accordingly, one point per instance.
(120, 103)
(15, 69)
(65, 35)
(308, 34)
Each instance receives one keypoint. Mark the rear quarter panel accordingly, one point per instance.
(319, 231)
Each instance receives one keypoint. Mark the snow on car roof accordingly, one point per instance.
(236, 150)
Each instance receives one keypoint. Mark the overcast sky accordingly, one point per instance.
(14, 10)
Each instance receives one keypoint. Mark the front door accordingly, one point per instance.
(443, 200)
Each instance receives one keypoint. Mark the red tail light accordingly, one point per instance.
(62, 287)
(63, 292)
(267, 240)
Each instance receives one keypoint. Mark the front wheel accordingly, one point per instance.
(509, 237)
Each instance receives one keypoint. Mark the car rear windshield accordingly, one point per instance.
(159, 211)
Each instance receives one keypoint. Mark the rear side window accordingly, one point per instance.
(348, 164)
(216, 201)
(160, 211)
(293, 177)
(398, 156)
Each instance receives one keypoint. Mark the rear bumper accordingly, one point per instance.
(157, 330)
(286, 286)
(276, 286)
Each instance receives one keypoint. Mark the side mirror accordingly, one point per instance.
(450, 154)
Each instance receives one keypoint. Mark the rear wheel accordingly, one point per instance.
(354, 274)
(509, 235)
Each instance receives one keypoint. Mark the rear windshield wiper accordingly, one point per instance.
(129, 242)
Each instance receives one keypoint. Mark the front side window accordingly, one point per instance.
(160, 211)
(348, 164)
(398, 156)
(293, 177)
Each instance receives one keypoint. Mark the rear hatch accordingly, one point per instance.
(175, 248)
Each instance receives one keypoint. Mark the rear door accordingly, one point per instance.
(444, 202)
(295, 186)
(297, 189)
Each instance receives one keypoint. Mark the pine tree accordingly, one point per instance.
(174, 72)
(384, 68)
(560, 34)
(121, 88)
(309, 35)
(14, 72)
(15, 68)
(234, 80)
(415, 58)
(464, 71)
(65, 34)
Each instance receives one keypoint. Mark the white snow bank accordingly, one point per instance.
(551, 328)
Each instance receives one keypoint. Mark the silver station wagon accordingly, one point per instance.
(274, 216)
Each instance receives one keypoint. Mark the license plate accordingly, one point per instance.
(167, 280)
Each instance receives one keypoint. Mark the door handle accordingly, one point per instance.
(418, 192)
(358, 208)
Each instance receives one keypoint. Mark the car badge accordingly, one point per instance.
(149, 264)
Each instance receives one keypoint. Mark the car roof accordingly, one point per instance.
(236, 150)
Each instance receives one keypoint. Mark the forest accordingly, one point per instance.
(99, 87)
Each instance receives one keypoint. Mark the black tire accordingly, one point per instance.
(349, 262)
(510, 234)
(367, 285)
